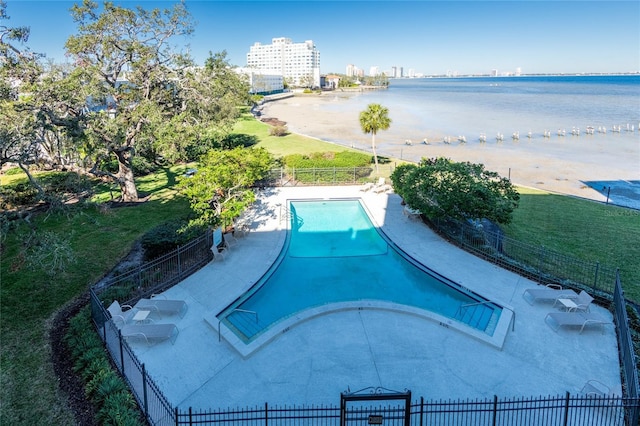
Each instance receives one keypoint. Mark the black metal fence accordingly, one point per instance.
(559, 410)
(288, 176)
(628, 360)
(534, 262)
(159, 274)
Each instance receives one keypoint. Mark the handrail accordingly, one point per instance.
(286, 215)
(235, 310)
(245, 311)
(513, 322)
(466, 305)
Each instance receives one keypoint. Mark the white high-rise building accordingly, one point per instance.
(298, 63)
(374, 71)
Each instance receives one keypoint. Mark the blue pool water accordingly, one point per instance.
(334, 254)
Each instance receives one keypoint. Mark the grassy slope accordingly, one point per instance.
(28, 298)
(583, 229)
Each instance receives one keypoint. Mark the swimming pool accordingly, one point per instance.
(334, 258)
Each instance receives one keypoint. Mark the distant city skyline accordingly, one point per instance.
(428, 37)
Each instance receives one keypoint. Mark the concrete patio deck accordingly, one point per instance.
(317, 359)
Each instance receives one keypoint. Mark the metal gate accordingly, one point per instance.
(375, 406)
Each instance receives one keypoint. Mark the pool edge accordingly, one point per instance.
(247, 349)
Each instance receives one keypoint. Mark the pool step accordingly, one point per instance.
(477, 316)
(245, 322)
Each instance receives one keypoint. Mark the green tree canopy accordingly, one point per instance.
(372, 120)
(221, 189)
(145, 97)
(20, 69)
(441, 188)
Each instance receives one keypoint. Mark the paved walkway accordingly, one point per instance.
(317, 359)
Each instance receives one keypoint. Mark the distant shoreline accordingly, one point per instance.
(556, 173)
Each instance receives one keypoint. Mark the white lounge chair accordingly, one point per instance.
(163, 306)
(411, 213)
(583, 301)
(150, 332)
(219, 246)
(383, 188)
(367, 187)
(595, 388)
(555, 320)
(119, 314)
(229, 239)
(241, 229)
(548, 293)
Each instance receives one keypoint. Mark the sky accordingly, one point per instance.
(429, 37)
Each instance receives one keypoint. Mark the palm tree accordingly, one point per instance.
(373, 119)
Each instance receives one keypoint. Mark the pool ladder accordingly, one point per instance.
(286, 214)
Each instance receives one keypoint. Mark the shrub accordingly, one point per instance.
(160, 240)
(119, 409)
(441, 188)
(279, 131)
(167, 237)
(327, 159)
(103, 385)
(20, 194)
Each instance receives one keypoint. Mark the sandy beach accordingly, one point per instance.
(558, 164)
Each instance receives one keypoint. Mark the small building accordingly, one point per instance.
(330, 81)
(263, 82)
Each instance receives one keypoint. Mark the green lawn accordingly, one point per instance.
(29, 298)
(583, 229)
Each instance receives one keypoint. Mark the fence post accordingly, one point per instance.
(176, 415)
(407, 410)
(540, 260)
(595, 279)
(179, 263)
(266, 414)
(144, 391)
(190, 416)
(421, 409)
(495, 410)
(566, 410)
(121, 351)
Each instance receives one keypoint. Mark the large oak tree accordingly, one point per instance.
(144, 95)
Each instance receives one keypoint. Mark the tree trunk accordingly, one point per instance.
(125, 177)
(373, 148)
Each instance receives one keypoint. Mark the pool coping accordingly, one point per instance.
(247, 349)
